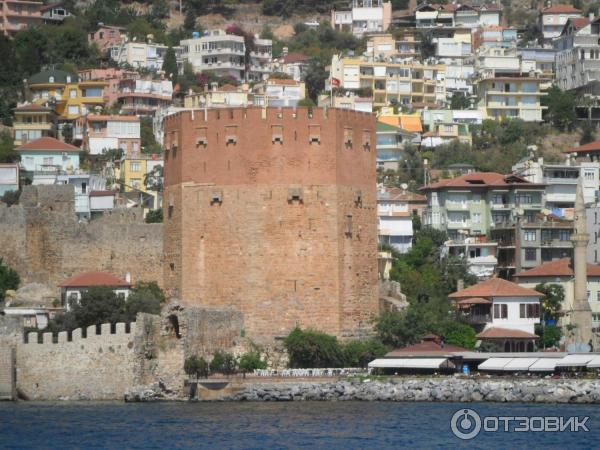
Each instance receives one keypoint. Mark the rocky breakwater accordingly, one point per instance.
(433, 389)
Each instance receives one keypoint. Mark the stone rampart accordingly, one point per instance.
(77, 365)
(44, 242)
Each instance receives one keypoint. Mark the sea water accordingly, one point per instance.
(265, 425)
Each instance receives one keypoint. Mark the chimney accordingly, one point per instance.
(460, 285)
(128, 277)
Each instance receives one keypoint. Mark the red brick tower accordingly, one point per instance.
(273, 212)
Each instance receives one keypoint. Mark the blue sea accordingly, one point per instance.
(314, 425)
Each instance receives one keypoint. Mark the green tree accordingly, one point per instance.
(361, 353)
(189, 23)
(552, 301)
(10, 198)
(196, 366)
(587, 133)
(149, 144)
(154, 216)
(560, 110)
(9, 279)
(7, 148)
(459, 101)
(550, 335)
(309, 348)
(461, 334)
(223, 362)
(314, 79)
(67, 132)
(145, 297)
(251, 361)
(170, 65)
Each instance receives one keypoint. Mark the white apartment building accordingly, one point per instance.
(561, 182)
(395, 209)
(456, 15)
(553, 19)
(225, 55)
(577, 62)
(141, 55)
(508, 86)
(366, 16)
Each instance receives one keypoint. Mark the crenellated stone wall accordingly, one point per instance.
(43, 241)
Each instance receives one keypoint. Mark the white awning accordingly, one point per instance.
(574, 360)
(520, 364)
(494, 364)
(544, 365)
(408, 363)
(594, 363)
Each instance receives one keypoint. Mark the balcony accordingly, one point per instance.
(458, 225)
(476, 319)
(456, 206)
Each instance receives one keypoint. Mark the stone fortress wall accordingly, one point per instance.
(43, 241)
(94, 366)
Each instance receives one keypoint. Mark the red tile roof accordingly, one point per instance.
(48, 144)
(559, 268)
(86, 279)
(474, 301)
(502, 333)
(430, 344)
(295, 57)
(579, 22)
(560, 9)
(482, 179)
(495, 287)
(397, 194)
(589, 147)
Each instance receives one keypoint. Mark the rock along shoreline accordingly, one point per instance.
(426, 390)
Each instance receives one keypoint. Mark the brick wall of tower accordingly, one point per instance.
(260, 216)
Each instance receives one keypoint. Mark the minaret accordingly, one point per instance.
(582, 313)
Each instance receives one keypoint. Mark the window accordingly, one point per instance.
(564, 235)
(588, 175)
(73, 93)
(596, 319)
(523, 199)
(529, 235)
(48, 161)
(134, 166)
(529, 310)
(136, 183)
(500, 311)
(476, 217)
(73, 110)
(530, 254)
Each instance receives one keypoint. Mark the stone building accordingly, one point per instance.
(273, 212)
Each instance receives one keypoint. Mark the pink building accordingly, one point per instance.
(17, 15)
(107, 36)
(101, 133)
(111, 76)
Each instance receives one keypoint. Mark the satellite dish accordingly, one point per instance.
(519, 211)
(404, 186)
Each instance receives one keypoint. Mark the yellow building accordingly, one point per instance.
(66, 94)
(501, 97)
(33, 122)
(403, 82)
(141, 178)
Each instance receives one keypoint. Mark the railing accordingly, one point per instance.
(477, 318)
(309, 372)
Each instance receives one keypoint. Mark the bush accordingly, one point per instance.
(9, 279)
(144, 297)
(11, 197)
(549, 335)
(313, 349)
(462, 335)
(223, 362)
(154, 216)
(195, 366)
(251, 361)
(361, 353)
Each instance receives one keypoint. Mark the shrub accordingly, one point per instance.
(223, 362)
(195, 366)
(251, 361)
(461, 334)
(9, 279)
(11, 198)
(154, 216)
(549, 335)
(313, 349)
(361, 353)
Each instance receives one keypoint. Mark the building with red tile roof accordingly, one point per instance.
(561, 272)
(503, 313)
(552, 19)
(47, 154)
(73, 288)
